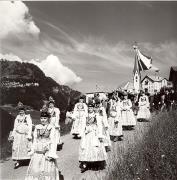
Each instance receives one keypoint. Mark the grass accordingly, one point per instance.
(154, 157)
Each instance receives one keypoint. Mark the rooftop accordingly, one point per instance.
(154, 78)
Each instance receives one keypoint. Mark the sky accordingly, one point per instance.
(89, 45)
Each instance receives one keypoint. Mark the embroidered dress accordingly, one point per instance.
(54, 121)
(104, 126)
(144, 112)
(40, 167)
(79, 116)
(127, 115)
(91, 148)
(21, 133)
(114, 119)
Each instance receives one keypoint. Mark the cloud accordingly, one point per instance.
(10, 57)
(15, 19)
(63, 34)
(53, 68)
(119, 54)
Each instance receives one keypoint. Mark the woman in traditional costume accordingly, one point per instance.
(43, 164)
(114, 120)
(100, 111)
(127, 115)
(54, 121)
(92, 150)
(21, 136)
(143, 112)
(79, 118)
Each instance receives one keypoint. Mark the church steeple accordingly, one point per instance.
(142, 63)
(136, 72)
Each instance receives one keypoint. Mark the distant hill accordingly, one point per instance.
(25, 82)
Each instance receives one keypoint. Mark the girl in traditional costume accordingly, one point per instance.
(127, 115)
(54, 121)
(114, 120)
(43, 161)
(92, 149)
(143, 112)
(21, 136)
(100, 111)
(79, 118)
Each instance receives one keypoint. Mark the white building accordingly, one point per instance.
(102, 95)
(151, 83)
(128, 86)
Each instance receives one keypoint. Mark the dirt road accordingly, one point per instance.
(68, 157)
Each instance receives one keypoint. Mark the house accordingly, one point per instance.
(151, 83)
(128, 86)
(173, 76)
(102, 95)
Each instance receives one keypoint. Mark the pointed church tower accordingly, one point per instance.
(136, 73)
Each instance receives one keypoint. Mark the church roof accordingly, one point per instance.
(136, 66)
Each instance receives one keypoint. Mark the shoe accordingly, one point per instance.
(115, 139)
(17, 165)
(83, 168)
(120, 138)
(107, 148)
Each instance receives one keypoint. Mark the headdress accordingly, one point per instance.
(51, 100)
(45, 114)
(82, 97)
(97, 101)
(125, 94)
(90, 104)
(20, 106)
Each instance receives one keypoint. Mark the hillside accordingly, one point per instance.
(25, 82)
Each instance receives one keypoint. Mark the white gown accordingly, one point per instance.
(143, 112)
(54, 121)
(40, 167)
(21, 133)
(91, 148)
(127, 115)
(79, 119)
(115, 122)
(105, 126)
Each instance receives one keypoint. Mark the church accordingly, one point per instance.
(148, 83)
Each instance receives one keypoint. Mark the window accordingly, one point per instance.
(146, 82)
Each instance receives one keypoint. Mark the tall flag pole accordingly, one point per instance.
(142, 63)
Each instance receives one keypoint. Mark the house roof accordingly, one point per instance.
(127, 86)
(96, 92)
(153, 78)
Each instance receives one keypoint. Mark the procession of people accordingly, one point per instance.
(99, 123)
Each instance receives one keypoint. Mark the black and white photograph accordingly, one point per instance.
(88, 90)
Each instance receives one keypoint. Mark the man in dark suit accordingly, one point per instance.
(156, 100)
